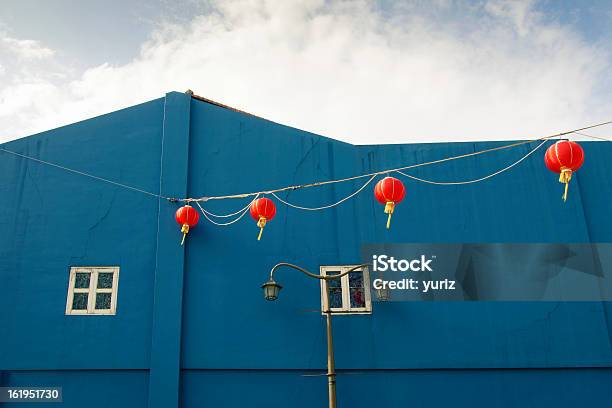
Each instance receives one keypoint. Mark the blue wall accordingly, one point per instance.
(234, 346)
(52, 220)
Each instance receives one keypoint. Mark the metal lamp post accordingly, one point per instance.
(271, 290)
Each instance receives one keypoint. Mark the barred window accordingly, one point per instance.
(92, 290)
(348, 294)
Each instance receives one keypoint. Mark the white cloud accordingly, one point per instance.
(27, 49)
(518, 12)
(417, 72)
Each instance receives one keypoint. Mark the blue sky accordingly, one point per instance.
(92, 32)
(361, 71)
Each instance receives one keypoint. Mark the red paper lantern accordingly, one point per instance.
(564, 157)
(262, 210)
(187, 217)
(389, 191)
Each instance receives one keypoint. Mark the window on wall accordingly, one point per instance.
(92, 290)
(348, 294)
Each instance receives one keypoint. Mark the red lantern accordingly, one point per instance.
(187, 217)
(564, 157)
(389, 191)
(262, 210)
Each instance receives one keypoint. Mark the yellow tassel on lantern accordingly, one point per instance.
(185, 231)
(261, 224)
(564, 177)
(389, 207)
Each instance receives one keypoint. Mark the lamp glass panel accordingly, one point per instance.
(271, 291)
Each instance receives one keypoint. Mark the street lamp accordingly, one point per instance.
(271, 290)
(383, 294)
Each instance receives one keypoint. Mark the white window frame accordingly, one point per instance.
(346, 299)
(92, 290)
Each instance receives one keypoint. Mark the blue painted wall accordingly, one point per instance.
(201, 306)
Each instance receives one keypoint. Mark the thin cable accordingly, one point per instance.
(84, 174)
(321, 183)
(594, 137)
(205, 211)
(325, 206)
(315, 184)
(161, 169)
(221, 224)
(454, 183)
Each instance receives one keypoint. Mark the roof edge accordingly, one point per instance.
(190, 93)
(221, 105)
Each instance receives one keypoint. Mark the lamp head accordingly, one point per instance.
(383, 294)
(271, 289)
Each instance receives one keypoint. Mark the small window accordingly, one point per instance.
(92, 290)
(348, 294)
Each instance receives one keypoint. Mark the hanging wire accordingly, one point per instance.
(353, 194)
(594, 137)
(205, 211)
(222, 224)
(454, 183)
(314, 184)
(85, 174)
(321, 183)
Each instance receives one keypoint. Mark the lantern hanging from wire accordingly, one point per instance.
(564, 157)
(389, 191)
(262, 210)
(187, 217)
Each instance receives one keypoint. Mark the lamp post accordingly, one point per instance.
(271, 290)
